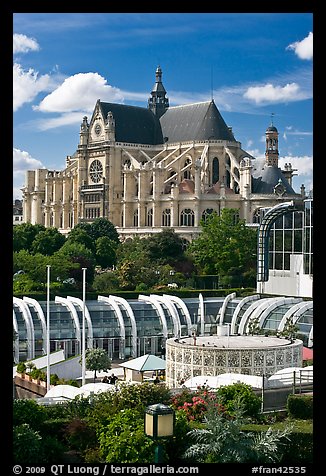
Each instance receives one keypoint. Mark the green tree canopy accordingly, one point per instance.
(82, 236)
(24, 235)
(80, 255)
(106, 251)
(97, 360)
(224, 243)
(165, 247)
(48, 241)
(99, 227)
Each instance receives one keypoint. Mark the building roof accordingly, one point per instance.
(199, 121)
(267, 178)
(145, 363)
(137, 125)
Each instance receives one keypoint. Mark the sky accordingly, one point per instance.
(258, 68)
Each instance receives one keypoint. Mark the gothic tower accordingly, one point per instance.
(158, 103)
(271, 153)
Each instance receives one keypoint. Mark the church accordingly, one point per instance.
(148, 168)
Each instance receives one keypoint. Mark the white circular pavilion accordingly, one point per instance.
(189, 357)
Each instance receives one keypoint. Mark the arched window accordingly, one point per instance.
(187, 217)
(215, 170)
(228, 178)
(187, 173)
(149, 218)
(136, 218)
(256, 216)
(168, 185)
(206, 213)
(166, 217)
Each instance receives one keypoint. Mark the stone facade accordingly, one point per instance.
(146, 169)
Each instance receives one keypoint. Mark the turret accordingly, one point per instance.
(158, 103)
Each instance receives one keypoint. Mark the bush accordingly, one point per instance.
(300, 406)
(27, 445)
(21, 368)
(29, 412)
(231, 395)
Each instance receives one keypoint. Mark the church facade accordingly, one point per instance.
(146, 169)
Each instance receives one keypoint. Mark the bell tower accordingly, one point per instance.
(271, 153)
(158, 103)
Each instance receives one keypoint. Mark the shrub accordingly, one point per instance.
(300, 406)
(27, 445)
(231, 395)
(21, 368)
(195, 404)
(29, 412)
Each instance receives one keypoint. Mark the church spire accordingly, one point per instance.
(271, 153)
(158, 103)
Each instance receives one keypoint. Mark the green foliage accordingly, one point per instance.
(48, 242)
(21, 367)
(29, 412)
(300, 406)
(225, 243)
(105, 251)
(82, 257)
(165, 247)
(97, 360)
(80, 435)
(80, 235)
(222, 440)
(289, 329)
(27, 445)
(195, 404)
(106, 282)
(231, 395)
(24, 235)
(127, 395)
(99, 227)
(122, 439)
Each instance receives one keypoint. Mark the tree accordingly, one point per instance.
(97, 360)
(224, 243)
(82, 257)
(48, 242)
(122, 439)
(222, 440)
(24, 235)
(105, 251)
(103, 227)
(82, 236)
(165, 247)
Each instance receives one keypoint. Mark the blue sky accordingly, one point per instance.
(253, 64)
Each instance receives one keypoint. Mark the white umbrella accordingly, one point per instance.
(65, 391)
(96, 387)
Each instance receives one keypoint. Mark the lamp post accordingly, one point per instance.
(48, 330)
(83, 337)
(159, 423)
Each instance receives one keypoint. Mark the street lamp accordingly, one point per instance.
(159, 423)
(83, 335)
(48, 329)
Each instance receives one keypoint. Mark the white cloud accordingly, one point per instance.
(62, 120)
(79, 93)
(303, 164)
(24, 44)
(27, 85)
(22, 161)
(303, 49)
(273, 94)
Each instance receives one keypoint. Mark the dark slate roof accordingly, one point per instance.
(134, 124)
(270, 176)
(200, 121)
